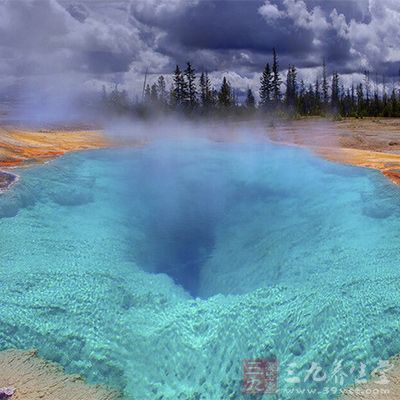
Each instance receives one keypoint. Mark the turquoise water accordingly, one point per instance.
(158, 270)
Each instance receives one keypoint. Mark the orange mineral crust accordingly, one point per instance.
(369, 143)
(26, 146)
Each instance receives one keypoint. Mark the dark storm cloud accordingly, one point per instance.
(78, 11)
(110, 40)
(223, 25)
(226, 28)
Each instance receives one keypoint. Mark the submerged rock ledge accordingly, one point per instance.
(33, 378)
(6, 180)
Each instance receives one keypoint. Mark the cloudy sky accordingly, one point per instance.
(87, 43)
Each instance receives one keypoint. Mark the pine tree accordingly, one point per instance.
(376, 87)
(177, 88)
(250, 100)
(325, 97)
(310, 100)
(302, 98)
(367, 86)
(206, 94)
(384, 86)
(184, 91)
(291, 86)
(154, 94)
(225, 94)
(342, 96)
(180, 88)
(118, 100)
(385, 105)
(172, 96)
(209, 92)
(161, 90)
(147, 94)
(398, 84)
(375, 104)
(335, 90)
(191, 85)
(266, 86)
(317, 105)
(394, 104)
(346, 107)
(276, 81)
(203, 89)
(360, 99)
(214, 96)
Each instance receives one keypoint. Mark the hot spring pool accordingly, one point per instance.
(157, 270)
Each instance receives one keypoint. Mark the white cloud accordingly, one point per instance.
(160, 8)
(339, 24)
(270, 11)
(372, 41)
(378, 39)
(298, 12)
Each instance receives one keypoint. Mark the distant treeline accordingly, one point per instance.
(194, 95)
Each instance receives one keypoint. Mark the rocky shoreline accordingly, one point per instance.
(25, 376)
(25, 146)
(369, 142)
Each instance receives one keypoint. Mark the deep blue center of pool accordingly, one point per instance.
(182, 210)
(186, 195)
